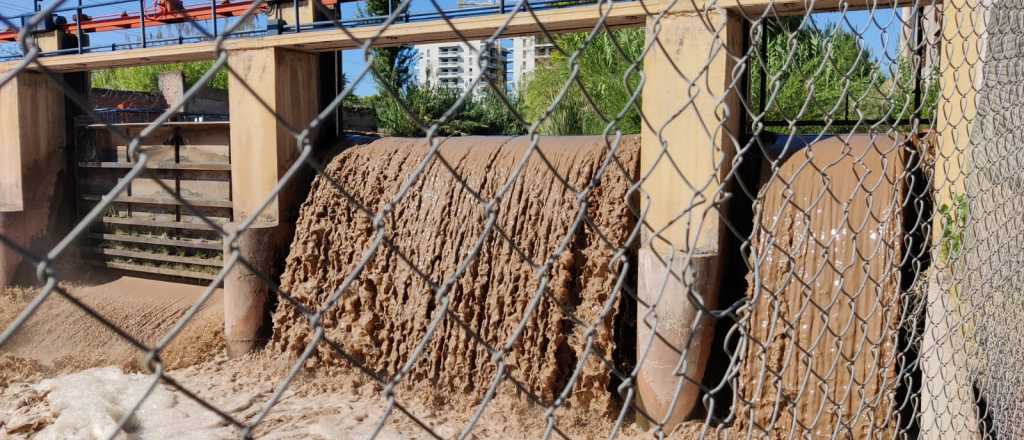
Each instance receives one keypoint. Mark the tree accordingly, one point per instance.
(818, 74)
(393, 65)
(813, 74)
(609, 70)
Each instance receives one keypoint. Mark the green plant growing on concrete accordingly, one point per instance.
(146, 78)
(953, 220)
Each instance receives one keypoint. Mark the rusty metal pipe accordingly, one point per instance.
(245, 294)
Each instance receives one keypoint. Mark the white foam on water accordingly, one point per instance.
(89, 404)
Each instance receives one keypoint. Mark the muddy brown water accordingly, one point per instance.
(61, 337)
(431, 234)
(829, 240)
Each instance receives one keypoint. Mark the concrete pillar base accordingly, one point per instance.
(657, 381)
(277, 83)
(246, 295)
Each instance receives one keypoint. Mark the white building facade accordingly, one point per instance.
(456, 64)
(527, 54)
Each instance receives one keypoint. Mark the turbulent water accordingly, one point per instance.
(384, 314)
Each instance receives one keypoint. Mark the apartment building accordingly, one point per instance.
(456, 64)
(527, 54)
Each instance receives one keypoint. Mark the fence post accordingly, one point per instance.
(687, 156)
(32, 140)
(283, 83)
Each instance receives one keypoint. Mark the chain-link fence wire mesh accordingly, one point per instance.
(875, 260)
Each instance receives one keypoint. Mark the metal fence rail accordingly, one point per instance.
(826, 219)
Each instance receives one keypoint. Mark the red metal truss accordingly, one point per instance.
(159, 14)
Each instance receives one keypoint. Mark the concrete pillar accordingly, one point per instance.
(308, 12)
(272, 82)
(50, 41)
(696, 144)
(32, 161)
(172, 87)
(948, 408)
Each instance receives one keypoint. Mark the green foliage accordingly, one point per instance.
(606, 76)
(901, 100)
(954, 222)
(826, 73)
(393, 66)
(484, 113)
(815, 73)
(146, 78)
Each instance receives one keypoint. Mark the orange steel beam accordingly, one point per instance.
(155, 17)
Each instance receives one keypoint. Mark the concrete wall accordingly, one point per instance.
(32, 166)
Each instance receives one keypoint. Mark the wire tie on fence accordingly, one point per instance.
(153, 361)
(43, 270)
(498, 357)
(314, 319)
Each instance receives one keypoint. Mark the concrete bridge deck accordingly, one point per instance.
(554, 20)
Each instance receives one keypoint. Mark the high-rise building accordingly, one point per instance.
(456, 64)
(527, 54)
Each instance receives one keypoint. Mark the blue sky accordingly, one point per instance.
(879, 30)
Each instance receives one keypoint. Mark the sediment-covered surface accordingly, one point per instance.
(431, 239)
(825, 303)
(60, 337)
(326, 403)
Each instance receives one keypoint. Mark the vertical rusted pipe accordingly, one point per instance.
(246, 294)
(680, 257)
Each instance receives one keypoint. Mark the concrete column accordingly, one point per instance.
(948, 408)
(50, 41)
(32, 161)
(272, 82)
(308, 12)
(688, 156)
(172, 87)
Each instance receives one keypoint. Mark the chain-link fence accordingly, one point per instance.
(789, 220)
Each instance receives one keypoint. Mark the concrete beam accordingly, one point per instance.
(692, 102)
(574, 19)
(273, 83)
(32, 160)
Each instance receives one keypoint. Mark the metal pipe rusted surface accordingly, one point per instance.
(668, 383)
(246, 294)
